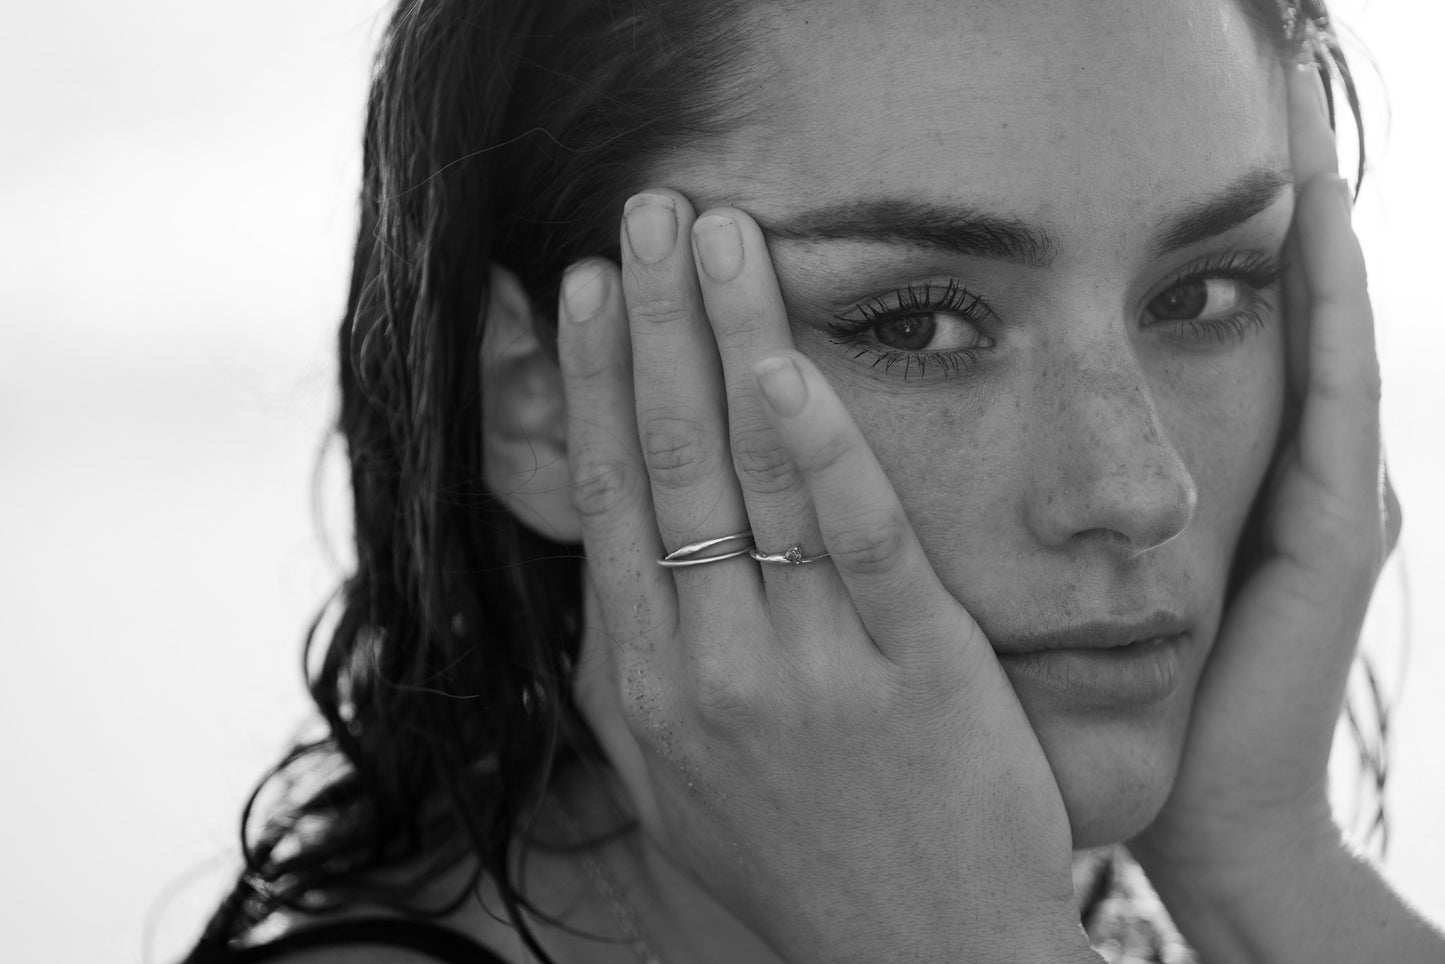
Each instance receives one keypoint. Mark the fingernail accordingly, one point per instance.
(651, 221)
(584, 289)
(719, 247)
(781, 384)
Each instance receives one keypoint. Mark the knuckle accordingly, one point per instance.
(602, 485)
(725, 696)
(762, 463)
(1364, 390)
(679, 451)
(581, 367)
(1348, 550)
(825, 453)
(870, 546)
(658, 311)
(739, 329)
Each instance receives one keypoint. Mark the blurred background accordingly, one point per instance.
(177, 184)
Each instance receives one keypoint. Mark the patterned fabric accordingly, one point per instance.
(1128, 923)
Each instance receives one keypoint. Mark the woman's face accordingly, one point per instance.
(1036, 254)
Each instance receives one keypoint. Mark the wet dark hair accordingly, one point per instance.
(507, 132)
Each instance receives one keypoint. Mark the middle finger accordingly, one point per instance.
(750, 322)
(681, 411)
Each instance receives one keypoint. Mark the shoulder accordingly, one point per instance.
(412, 944)
(372, 939)
(357, 954)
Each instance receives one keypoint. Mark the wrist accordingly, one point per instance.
(1233, 855)
(1229, 897)
(1329, 904)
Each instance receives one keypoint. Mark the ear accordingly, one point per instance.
(524, 421)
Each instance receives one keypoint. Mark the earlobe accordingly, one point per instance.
(524, 424)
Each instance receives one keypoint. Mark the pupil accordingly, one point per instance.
(1182, 302)
(907, 334)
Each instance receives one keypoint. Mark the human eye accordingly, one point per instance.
(921, 330)
(1221, 299)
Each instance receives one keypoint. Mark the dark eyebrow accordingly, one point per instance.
(954, 229)
(1249, 195)
(972, 233)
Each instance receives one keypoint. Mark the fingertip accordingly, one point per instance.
(749, 232)
(666, 195)
(591, 326)
(585, 288)
(1312, 139)
(717, 245)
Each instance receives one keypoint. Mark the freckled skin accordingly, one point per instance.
(1084, 428)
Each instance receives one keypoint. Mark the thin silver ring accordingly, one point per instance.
(688, 555)
(792, 556)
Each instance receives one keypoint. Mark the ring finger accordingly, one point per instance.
(750, 322)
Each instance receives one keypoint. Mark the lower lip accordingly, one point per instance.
(1136, 675)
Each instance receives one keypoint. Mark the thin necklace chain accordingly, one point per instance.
(609, 890)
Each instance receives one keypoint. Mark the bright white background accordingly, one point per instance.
(176, 205)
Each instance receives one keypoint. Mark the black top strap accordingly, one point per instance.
(432, 940)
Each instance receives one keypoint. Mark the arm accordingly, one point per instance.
(1314, 901)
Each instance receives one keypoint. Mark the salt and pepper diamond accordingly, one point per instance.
(794, 555)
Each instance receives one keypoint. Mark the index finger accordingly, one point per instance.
(1339, 432)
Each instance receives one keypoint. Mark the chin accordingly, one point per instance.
(1115, 770)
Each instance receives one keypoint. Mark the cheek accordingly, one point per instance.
(1225, 418)
(957, 454)
(952, 457)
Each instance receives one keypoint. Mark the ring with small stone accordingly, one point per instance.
(792, 556)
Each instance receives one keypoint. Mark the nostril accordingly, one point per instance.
(1120, 511)
(1110, 540)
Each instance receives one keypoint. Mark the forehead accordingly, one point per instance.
(1054, 109)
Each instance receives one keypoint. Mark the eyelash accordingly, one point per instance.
(915, 299)
(1256, 270)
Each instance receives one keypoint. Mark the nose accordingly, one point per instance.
(1108, 474)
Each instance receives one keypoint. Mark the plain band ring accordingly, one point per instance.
(792, 556)
(688, 555)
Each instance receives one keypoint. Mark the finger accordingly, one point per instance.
(1297, 342)
(749, 322)
(1339, 430)
(903, 605)
(1311, 139)
(609, 480)
(679, 397)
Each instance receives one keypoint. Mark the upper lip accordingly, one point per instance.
(1096, 634)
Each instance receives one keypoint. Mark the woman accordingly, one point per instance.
(1006, 425)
